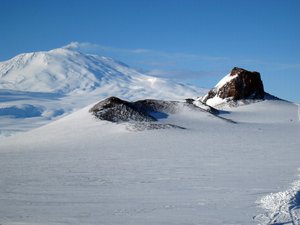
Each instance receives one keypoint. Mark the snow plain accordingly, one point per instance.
(80, 170)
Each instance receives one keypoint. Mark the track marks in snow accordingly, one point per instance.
(281, 208)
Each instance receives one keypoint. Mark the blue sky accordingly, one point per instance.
(196, 42)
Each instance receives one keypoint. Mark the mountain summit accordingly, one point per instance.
(68, 71)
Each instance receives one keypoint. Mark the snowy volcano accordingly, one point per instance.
(40, 86)
(67, 71)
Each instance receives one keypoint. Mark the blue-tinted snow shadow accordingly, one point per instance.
(158, 115)
(222, 112)
(295, 204)
(11, 95)
(22, 111)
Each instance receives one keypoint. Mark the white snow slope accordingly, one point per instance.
(59, 81)
(80, 170)
(67, 71)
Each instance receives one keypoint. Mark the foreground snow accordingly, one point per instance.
(80, 170)
(282, 207)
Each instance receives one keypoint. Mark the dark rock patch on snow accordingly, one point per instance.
(143, 114)
(152, 105)
(117, 110)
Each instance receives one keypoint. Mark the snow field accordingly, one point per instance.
(79, 170)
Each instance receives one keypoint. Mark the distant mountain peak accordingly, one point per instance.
(66, 70)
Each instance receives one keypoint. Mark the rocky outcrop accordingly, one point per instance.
(117, 110)
(238, 85)
(145, 114)
(142, 115)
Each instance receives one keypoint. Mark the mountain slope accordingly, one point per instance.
(67, 71)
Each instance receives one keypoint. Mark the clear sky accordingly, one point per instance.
(193, 41)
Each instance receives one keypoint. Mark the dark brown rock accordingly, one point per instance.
(246, 85)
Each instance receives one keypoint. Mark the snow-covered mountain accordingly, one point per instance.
(67, 71)
(40, 86)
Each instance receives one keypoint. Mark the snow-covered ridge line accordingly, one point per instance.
(225, 79)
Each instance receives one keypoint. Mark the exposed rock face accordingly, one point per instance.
(117, 110)
(241, 84)
(143, 113)
(152, 105)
